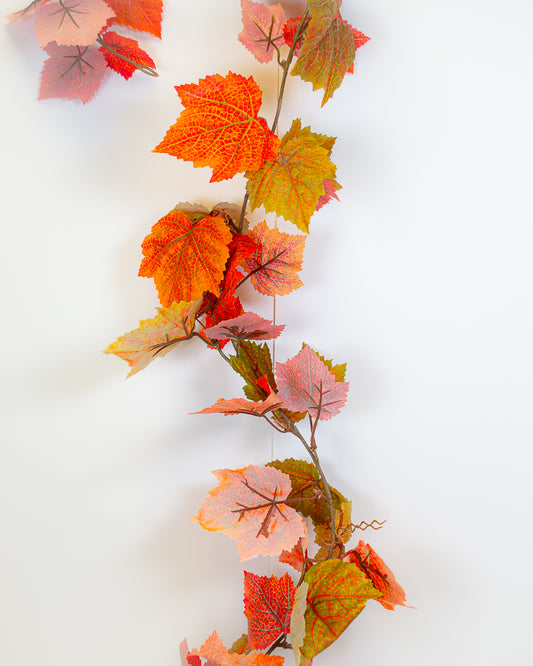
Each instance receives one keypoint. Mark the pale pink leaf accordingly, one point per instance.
(242, 406)
(263, 27)
(27, 11)
(71, 22)
(248, 505)
(72, 72)
(248, 326)
(305, 384)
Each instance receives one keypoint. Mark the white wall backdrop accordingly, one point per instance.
(420, 278)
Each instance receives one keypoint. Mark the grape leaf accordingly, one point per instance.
(27, 11)
(343, 533)
(292, 184)
(339, 370)
(248, 505)
(268, 603)
(155, 337)
(71, 22)
(289, 32)
(306, 384)
(297, 621)
(72, 72)
(115, 45)
(328, 49)
(370, 563)
(216, 654)
(185, 258)
(263, 27)
(242, 406)
(241, 646)
(330, 188)
(295, 557)
(142, 15)
(338, 592)
(248, 326)
(273, 268)
(219, 126)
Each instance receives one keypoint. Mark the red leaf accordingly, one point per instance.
(217, 655)
(242, 406)
(142, 15)
(72, 72)
(116, 45)
(274, 266)
(219, 126)
(71, 22)
(306, 385)
(248, 326)
(248, 505)
(330, 186)
(263, 26)
(365, 557)
(267, 605)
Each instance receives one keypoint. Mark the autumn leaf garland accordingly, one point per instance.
(199, 258)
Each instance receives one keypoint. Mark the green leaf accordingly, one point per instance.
(292, 184)
(338, 592)
(252, 362)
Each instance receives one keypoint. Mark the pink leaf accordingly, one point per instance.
(329, 193)
(248, 505)
(72, 72)
(71, 22)
(27, 11)
(305, 384)
(263, 27)
(242, 406)
(248, 326)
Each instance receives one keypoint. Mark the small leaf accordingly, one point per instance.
(155, 337)
(185, 258)
(292, 184)
(115, 46)
(263, 26)
(71, 22)
(248, 326)
(337, 593)
(241, 645)
(248, 505)
(142, 15)
(216, 654)
(306, 384)
(241, 406)
(27, 11)
(274, 267)
(72, 72)
(366, 559)
(297, 622)
(268, 603)
(219, 126)
(252, 362)
(330, 189)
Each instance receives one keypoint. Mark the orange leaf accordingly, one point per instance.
(142, 15)
(186, 257)
(366, 558)
(219, 126)
(114, 46)
(248, 505)
(242, 406)
(268, 603)
(217, 655)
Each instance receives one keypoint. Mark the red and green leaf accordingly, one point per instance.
(268, 602)
(292, 184)
(219, 126)
(186, 258)
(263, 27)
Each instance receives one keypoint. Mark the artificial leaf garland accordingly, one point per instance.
(199, 258)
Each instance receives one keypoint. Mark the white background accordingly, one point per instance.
(419, 278)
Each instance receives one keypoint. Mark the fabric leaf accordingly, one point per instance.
(268, 603)
(248, 326)
(116, 45)
(219, 126)
(241, 406)
(248, 505)
(72, 72)
(142, 15)
(292, 184)
(252, 362)
(306, 384)
(185, 258)
(274, 267)
(27, 11)
(217, 655)
(338, 592)
(370, 563)
(155, 337)
(263, 26)
(330, 188)
(297, 622)
(71, 22)
(328, 50)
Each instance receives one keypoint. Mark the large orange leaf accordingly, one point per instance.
(337, 593)
(217, 655)
(293, 183)
(219, 126)
(142, 15)
(186, 257)
(248, 505)
(268, 603)
(155, 337)
(274, 267)
(366, 558)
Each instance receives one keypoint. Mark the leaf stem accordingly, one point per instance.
(142, 68)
